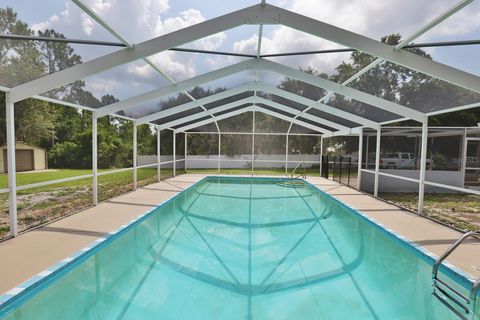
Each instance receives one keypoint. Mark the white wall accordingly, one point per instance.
(389, 184)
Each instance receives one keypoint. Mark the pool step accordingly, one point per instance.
(451, 298)
(459, 304)
(294, 183)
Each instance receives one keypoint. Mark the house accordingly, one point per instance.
(27, 158)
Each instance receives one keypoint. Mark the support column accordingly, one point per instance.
(423, 166)
(463, 156)
(253, 138)
(286, 155)
(94, 159)
(134, 156)
(360, 157)
(12, 170)
(158, 155)
(219, 150)
(321, 155)
(174, 154)
(185, 156)
(377, 161)
(367, 151)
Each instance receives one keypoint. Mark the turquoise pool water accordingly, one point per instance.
(242, 248)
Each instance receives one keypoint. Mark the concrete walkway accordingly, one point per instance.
(35, 251)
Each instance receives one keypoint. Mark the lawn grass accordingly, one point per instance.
(459, 210)
(37, 206)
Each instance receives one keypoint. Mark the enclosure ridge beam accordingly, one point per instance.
(268, 89)
(220, 117)
(182, 85)
(110, 29)
(319, 106)
(290, 119)
(251, 15)
(193, 104)
(351, 132)
(378, 49)
(202, 114)
(306, 116)
(251, 99)
(343, 90)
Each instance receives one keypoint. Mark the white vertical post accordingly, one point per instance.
(219, 150)
(134, 156)
(377, 160)
(158, 155)
(366, 151)
(360, 157)
(321, 155)
(185, 156)
(423, 166)
(286, 155)
(174, 154)
(12, 170)
(463, 156)
(94, 159)
(253, 138)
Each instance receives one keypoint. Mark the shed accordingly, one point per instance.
(27, 157)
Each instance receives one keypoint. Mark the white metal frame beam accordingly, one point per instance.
(268, 89)
(202, 114)
(255, 14)
(343, 90)
(167, 90)
(290, 119)
(193, 104)
(251, 109)
(252, 100)
(318, 106)
(378, 49)
(110, 29)
(258, 14)
(294, 111)
(220, 117)
(405, 42)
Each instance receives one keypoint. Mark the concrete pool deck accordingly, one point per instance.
(35, 251)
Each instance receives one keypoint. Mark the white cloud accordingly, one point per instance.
(372, 18)
(137, 21)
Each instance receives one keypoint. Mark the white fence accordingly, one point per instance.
(389, 181)
(238, 161)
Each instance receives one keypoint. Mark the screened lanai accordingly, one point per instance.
(252, 93)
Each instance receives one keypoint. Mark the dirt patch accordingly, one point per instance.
(459, 210)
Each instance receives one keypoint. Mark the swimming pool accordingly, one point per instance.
(241, 248)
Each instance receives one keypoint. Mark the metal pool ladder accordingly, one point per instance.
(450, 296)
(304, 172)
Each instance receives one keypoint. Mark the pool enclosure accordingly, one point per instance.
(305, 118)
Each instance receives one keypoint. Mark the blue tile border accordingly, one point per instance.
(465, 279)
(9, 298)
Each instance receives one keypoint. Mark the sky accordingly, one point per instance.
(140, 20)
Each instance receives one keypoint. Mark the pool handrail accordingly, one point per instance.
(471, 301)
